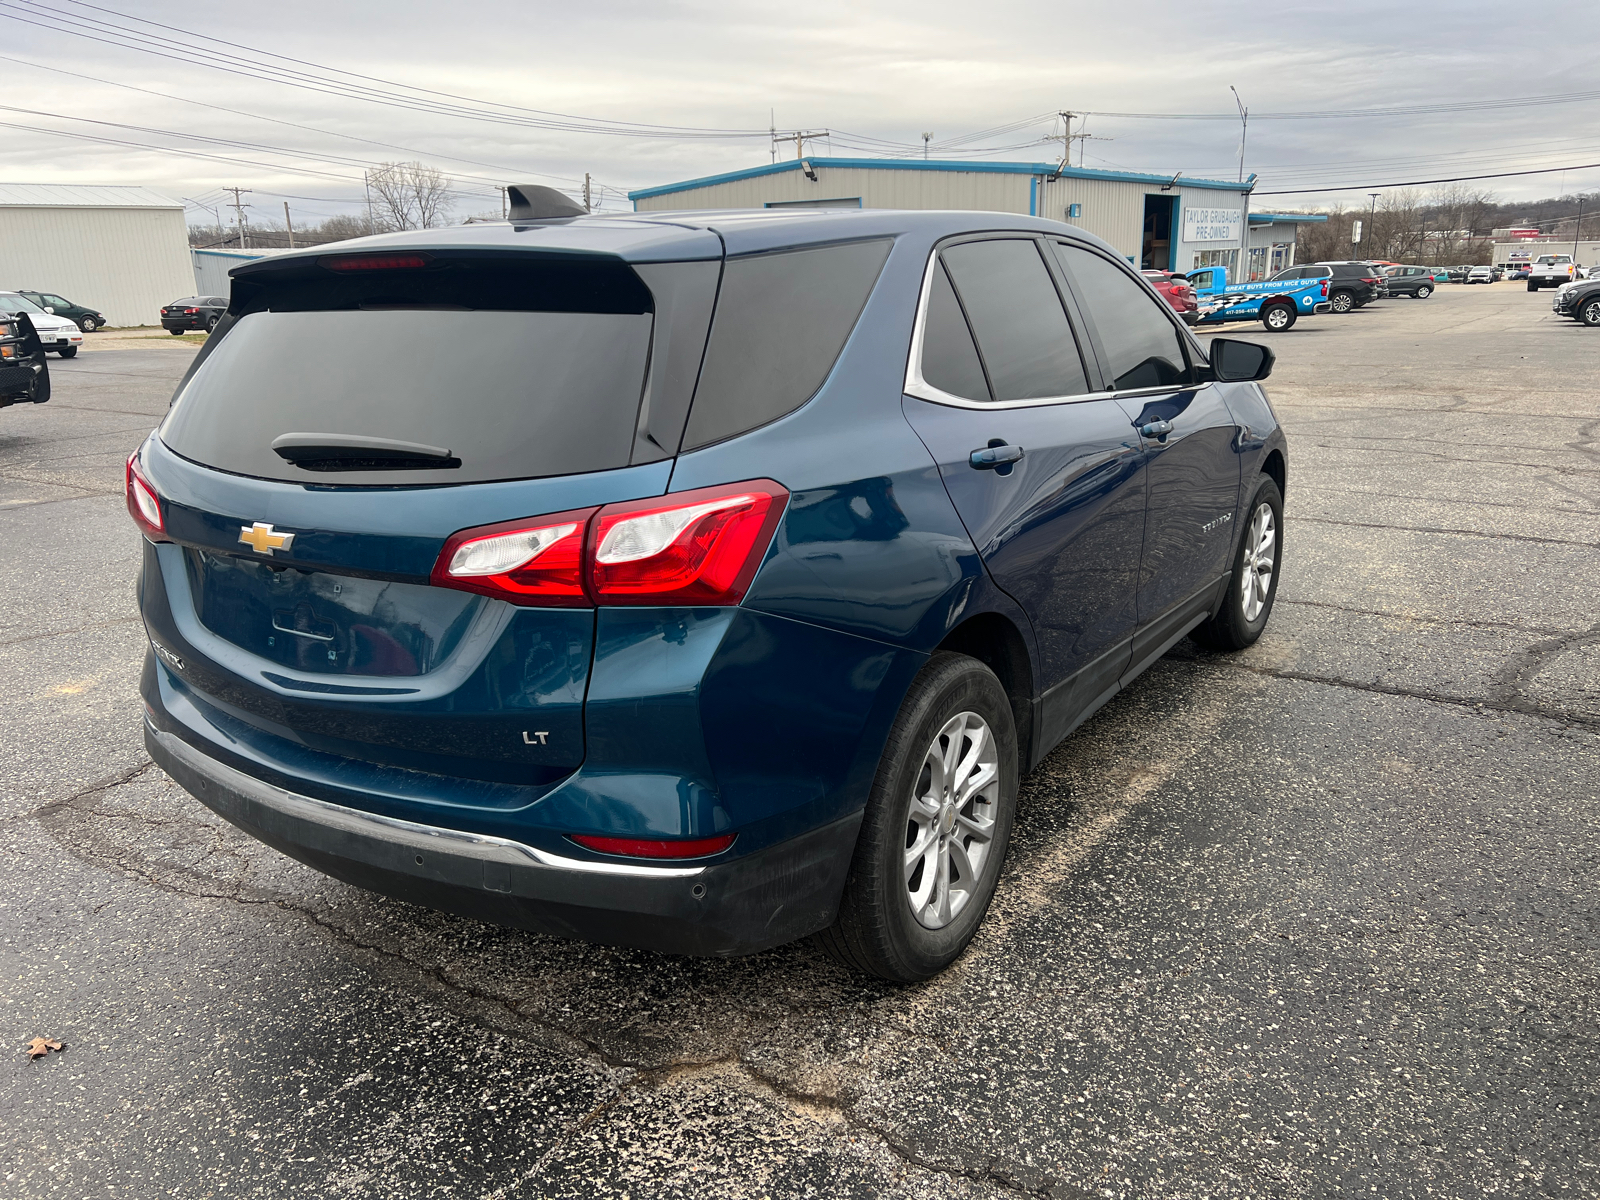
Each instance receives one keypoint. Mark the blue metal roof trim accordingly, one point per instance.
(1288, 218)
(924, 164)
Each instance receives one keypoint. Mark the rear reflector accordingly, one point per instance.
(375, 262)
(144, 506)
(643, 848)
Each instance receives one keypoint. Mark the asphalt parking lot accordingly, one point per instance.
(1316, 920)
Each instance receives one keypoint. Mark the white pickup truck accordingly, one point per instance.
(1551, 270)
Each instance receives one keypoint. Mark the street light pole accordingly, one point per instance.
(1372, 217)
(1244, 214)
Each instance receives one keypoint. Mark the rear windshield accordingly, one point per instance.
(444, 362)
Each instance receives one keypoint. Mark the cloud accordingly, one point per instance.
(885, 73)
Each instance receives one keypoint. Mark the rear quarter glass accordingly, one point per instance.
(782, 319)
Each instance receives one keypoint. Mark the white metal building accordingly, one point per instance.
(122, 250)
(211, 267)
(1155, 220)
(1522, 251)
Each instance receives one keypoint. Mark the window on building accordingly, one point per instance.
(1219, 258)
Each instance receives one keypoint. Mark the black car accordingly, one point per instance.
(24, 374)
(1416, 282)
(88, 319)
(1350, 284)
(1580, 301)
(193, 313)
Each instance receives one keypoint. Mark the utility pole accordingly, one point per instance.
(288, 223)
(1578, 232)
(238, 207)
(800, 137)
(366, 182)
(926, 138)
(772, 127)
(587, 207)
(505, 212)
(1372, 216)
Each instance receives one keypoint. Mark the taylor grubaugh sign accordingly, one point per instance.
(1211, 224)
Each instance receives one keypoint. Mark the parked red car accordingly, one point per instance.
(1177, 292)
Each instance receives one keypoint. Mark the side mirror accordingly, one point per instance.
(1234, 361)
(48, 309)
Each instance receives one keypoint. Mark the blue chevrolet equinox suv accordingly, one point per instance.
(689, 581)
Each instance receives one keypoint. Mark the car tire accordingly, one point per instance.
(1342, 301)
(68, 352)
(893, 921)
(175, 332)
(1251, 590)
(1532, 286)
(1278, 317)
(87, 324)
(211, 323)
(1423, 292)
(1589, 314)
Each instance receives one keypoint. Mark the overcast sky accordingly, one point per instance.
(876, 75)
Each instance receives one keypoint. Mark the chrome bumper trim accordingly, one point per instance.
(435, 838)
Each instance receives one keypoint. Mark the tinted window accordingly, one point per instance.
(1290, 273)
(512, 395)
(1142, 346)
(1016, 314)
(218, 301)
(13, 302)
(781, 321)
(949, 356)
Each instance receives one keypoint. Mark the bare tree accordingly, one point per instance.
(408, 195)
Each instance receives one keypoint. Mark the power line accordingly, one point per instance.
(290, 124)
(1411, 110)
(1358, 187)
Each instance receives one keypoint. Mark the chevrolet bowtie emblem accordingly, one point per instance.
(263, 539)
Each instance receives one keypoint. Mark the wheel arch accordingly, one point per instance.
(1277, 470)
(994, 640)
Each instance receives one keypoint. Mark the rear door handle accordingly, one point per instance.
(990, 457)
(1157, 430)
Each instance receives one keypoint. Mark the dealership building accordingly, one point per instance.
(121, 250)
(1156, 221)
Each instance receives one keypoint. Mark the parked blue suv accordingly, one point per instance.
(688, 581)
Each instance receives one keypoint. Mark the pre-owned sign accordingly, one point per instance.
(1211, 224)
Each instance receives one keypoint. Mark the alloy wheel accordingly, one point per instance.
(1260, 557)
(1591, 313)
(1343, 302)
(1277, 318)
(950, 828)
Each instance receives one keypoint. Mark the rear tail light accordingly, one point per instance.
(1324, 289)
(646, 848)
(701, 547)
(527, 562)
(144, 506)
(190, 311)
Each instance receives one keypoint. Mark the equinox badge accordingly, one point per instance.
(263, 539)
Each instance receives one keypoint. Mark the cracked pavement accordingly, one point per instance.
(1314, 920)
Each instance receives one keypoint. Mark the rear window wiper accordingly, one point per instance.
(352, 452)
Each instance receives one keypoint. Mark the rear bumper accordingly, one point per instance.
(1322, 307)
(741, 906)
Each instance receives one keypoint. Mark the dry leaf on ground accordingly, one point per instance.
(39, 1047)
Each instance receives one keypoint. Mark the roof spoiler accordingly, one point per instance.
(535, 202)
